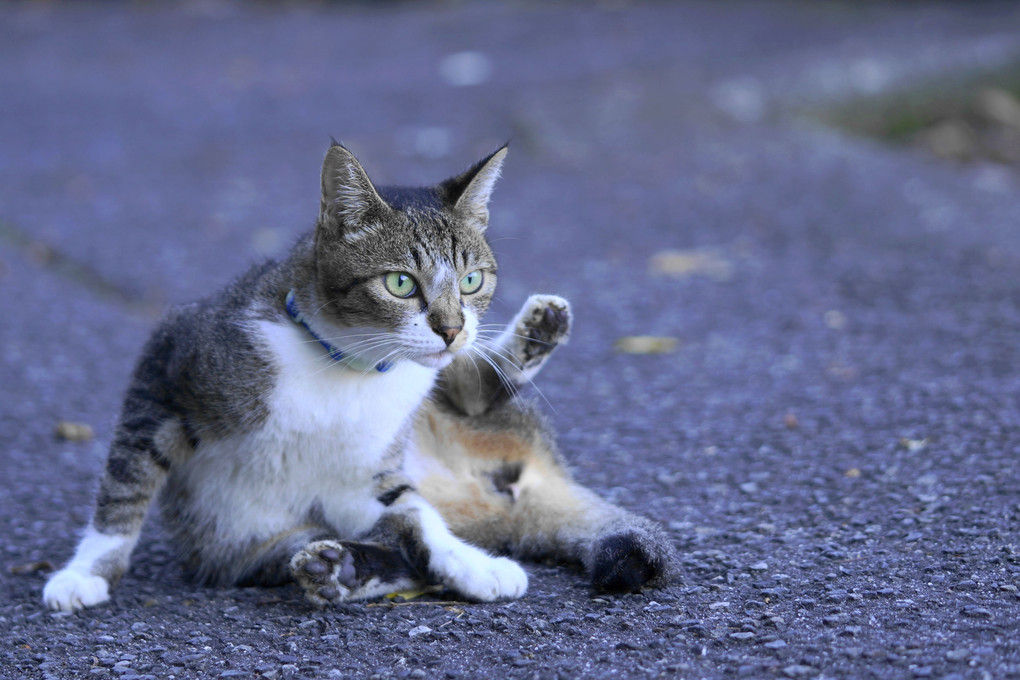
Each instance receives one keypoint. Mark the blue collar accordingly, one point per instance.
(334, 352)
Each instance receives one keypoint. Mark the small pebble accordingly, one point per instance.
(653, 607)
(976, 612)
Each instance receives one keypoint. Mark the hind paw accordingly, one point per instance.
(325, 570)
(542, 324)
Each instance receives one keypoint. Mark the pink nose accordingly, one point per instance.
(448, 333)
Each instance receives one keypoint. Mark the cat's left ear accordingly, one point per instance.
(469, 192)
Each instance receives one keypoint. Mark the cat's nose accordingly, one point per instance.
(448, 333)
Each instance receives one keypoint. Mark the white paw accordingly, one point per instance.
(478, 576)
(70, 591)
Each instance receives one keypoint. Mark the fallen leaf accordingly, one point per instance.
(427, 603)
(646, 344)
(413, 594)
(914, 445)
(33, 567)
(682, 264)
(73, 432)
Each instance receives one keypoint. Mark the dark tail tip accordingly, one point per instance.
(622, 563)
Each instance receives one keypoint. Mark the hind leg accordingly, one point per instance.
(621, 551)
(408, 547)
(331, 571)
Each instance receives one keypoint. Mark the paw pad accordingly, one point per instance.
(325, 570)
(545, 322)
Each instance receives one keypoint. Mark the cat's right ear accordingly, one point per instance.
(349, 198)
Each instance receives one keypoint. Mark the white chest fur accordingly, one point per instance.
(318, 403)
(328, 431)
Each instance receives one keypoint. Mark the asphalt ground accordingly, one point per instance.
(832, 441)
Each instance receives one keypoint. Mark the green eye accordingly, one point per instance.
(471, 283)
(400, 284)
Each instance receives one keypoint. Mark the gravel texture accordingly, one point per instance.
(832, 441)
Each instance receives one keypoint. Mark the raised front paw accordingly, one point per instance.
(70, 590)
(481, 577)
(542, 324)
(325, 570)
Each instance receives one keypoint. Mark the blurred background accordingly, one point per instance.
(789, 231)
(154, 143)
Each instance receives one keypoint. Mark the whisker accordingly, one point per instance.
(335, 338)
(511, 388)
(386, 358)
(509, 334)
(504, 354)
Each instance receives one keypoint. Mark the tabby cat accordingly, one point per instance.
(340, 419)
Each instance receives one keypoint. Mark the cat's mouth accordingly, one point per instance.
(439, 359)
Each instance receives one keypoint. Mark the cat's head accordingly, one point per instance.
(403, 273)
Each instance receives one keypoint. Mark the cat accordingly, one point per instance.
(340, 419)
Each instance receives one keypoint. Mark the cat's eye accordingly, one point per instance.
(471, 282)
(400, 284)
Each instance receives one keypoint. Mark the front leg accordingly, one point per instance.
(473, 385)
(410, 546)
(433, 551)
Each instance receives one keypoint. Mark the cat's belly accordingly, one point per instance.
(314, 458)
(260, 486)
